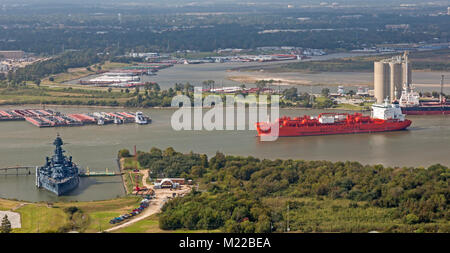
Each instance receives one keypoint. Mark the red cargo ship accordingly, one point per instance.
(385, 117)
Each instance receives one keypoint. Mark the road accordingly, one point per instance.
(155, 204)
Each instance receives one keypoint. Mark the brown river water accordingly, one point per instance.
(426, 142)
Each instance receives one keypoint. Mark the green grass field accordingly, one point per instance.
(40, 218)
(6, 205)
(131, 163)
(101, 212)
(95, 215)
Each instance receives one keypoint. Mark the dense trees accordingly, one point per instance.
(325, 92)
(236, 190)
(146, 30)
(292, 98)
(153, 96)
(35, 72)
(123, 153)
(169, 163)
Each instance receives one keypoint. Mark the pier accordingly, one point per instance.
(18, 170)
(31, 170)
(89, 173)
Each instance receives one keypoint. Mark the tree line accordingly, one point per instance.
(234, 191)
(59, 64)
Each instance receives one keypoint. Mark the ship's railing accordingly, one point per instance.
(333, 113)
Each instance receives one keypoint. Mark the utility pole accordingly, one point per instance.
(288, 228)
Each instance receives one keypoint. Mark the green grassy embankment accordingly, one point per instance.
(92, 216)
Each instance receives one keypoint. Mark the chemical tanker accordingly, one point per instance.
(385, 117)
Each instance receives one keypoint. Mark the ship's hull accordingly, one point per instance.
(426, 110)
(59, 188)
(329, 129)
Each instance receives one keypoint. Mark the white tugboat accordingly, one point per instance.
(141, 119)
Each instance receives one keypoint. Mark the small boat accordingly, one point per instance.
(100, 121)
(118, 120)
(141, 119)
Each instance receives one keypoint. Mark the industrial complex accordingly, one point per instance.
(389, 77)
(393, 81)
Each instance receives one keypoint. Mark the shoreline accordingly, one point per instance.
(165, 108)
(176, 108)
(3, 198)
(122, 173)
(290, 82)
(82, 106)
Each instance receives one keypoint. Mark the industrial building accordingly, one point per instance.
(169, 183)
(390, 75)
(12, 54)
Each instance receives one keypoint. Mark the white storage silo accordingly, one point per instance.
(381, 81)
(396, 80)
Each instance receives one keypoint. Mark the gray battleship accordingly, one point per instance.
(59, 174)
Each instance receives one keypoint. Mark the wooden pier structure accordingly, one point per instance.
(31, 170)
(89, 173)
(18, 170)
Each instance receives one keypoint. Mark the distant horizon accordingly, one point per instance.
(212, 2)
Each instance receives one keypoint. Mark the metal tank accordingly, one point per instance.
(396, 80)
(404, 68)
(381, 81)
